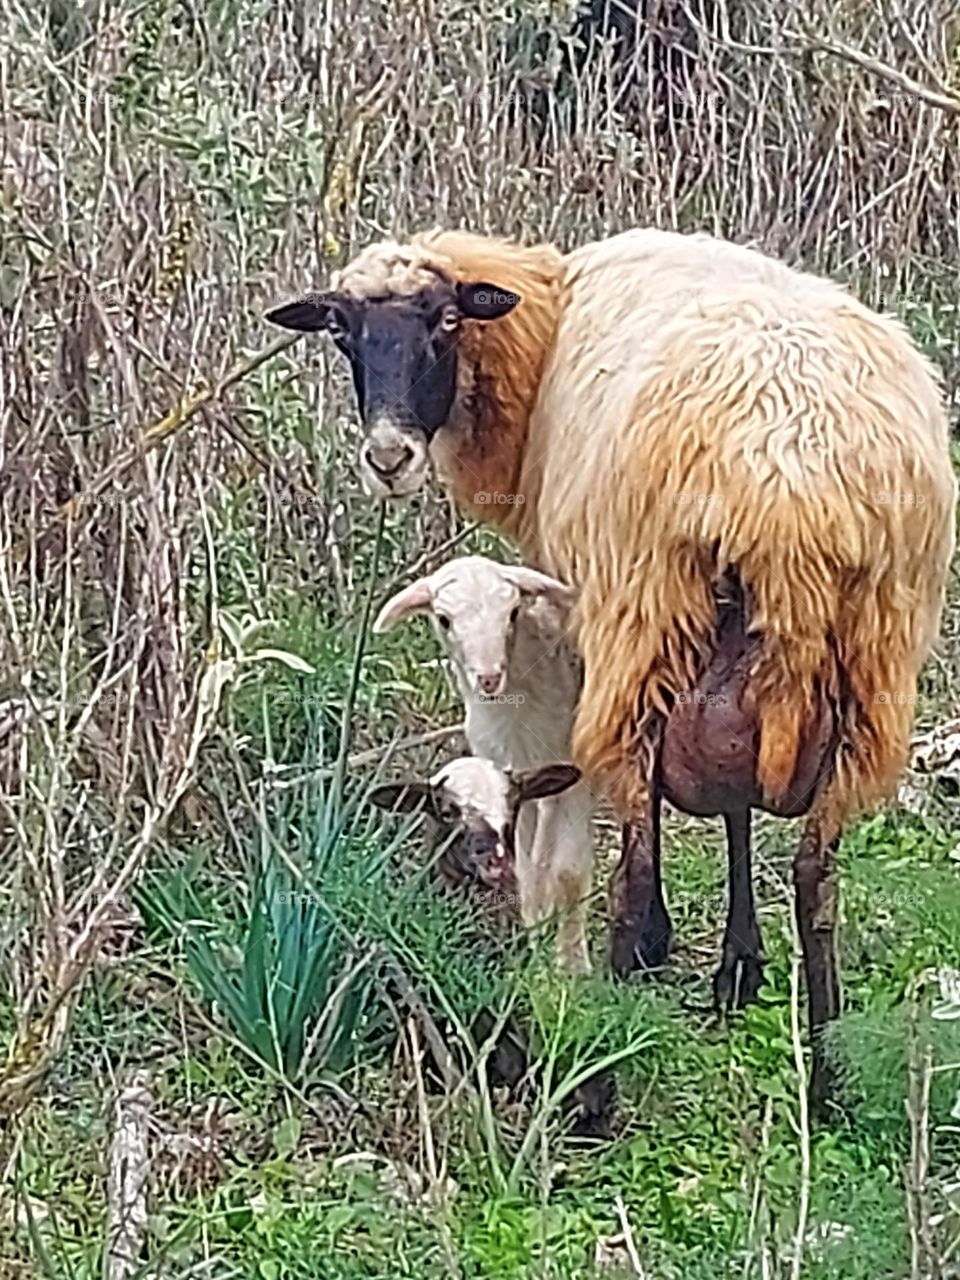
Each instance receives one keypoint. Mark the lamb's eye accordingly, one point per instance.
(514, 613)
(449, 320)
(443, 622)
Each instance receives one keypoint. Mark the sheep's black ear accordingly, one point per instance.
(547, 780)
(402, 797)
(305, 315)
(485, 301)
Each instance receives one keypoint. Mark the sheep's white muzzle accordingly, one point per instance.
(394, 461)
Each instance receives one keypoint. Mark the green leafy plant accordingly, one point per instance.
(286, 973)
(292, 988)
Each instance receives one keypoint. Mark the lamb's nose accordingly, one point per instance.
(490, 681)
(387, 460)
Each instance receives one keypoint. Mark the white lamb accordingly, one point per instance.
(504, 628)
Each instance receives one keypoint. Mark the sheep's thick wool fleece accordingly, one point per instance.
(703, 406)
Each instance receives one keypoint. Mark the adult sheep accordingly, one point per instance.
(743, 470)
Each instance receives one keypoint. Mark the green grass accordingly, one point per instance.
(704, 1155)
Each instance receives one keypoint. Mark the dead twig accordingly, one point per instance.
(169, 425)
(128, 1174)
(372, 756)
(924, 1259)
(940, 96)
(628, 1240)
(803, 1110)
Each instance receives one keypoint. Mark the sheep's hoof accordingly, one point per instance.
(737, 981)
(633, 947)
(656, 941)
(824, 1092)
(577, 966)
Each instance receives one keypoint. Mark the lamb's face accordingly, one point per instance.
(479, 801)
(398, 325)
(476, 616)
(474, 805)
(475, 605)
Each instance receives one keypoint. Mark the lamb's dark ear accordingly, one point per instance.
(547, 780)
(485, 301)
(402, 797)
(305, 315)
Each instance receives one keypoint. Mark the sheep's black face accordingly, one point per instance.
(403, 356)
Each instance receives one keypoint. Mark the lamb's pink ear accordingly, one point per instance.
(546, 780)
(485, 301)
(531, 582)
(417, 598)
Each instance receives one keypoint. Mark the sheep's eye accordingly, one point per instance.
(514, 613)
(443, 622)
(337, 327)
(449, 320)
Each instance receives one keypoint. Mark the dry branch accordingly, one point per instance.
(128, 1174)
(940, 96)
(373, 755)
(169, 425)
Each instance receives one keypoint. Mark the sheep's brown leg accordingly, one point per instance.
(736, 982)
(641, 931)
(815, 887)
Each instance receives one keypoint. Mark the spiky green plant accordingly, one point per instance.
(281, 971)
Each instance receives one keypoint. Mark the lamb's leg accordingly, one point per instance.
(641, 931)
(815, 887)
(529, 884)
(736, 982)
(564, 859)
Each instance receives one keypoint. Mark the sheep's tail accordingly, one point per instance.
(795, 607)
(865, 649)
